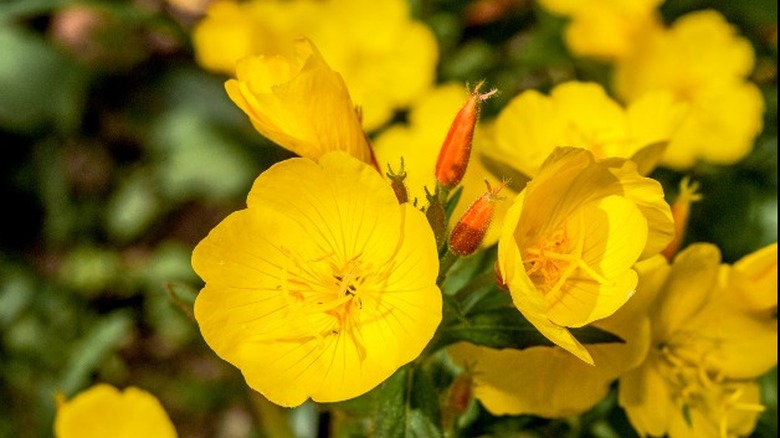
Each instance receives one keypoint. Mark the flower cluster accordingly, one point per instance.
(700, 60)
(530, 255)
(333, 278)
(378, 82)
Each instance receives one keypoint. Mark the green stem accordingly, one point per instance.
(445, 265)
(485, 279)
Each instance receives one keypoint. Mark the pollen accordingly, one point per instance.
(556, 258)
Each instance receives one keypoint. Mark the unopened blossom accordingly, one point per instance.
(386, 57)
(469, 232)
(455, 151)
(323, 286)
(104, 411)
(299, 103)
(714, 331)
(581, 114)
(704, 62)
(605, 29)
(570, 239)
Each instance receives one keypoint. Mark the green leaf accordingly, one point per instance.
(408, 406)
(493, 321)
(103, 338)
(31, 99)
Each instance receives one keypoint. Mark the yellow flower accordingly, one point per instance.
(703, 61)
(570, 238)
(582, 115)
(233, 30)
(103, 411)
(605, 29)
(714, 330)
(419, 142)
(323, 286)
(386, 57)
(548, 381)
(300, 104)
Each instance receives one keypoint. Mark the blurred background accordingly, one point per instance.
(118, 153)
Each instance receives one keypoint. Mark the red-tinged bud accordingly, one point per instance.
(397, 182)
(681, 209)
(458, 398)
(456, 149)
(460, 393)
(470, 230)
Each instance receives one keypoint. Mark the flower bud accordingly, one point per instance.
(397, 182)
(468, 233)
(454, 154)
(681, 209)
(459, 394)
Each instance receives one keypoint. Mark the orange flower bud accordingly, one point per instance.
(455, 151)
(681, 209)
(468, 233)
(460, 393)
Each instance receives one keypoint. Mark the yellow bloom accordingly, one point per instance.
(300, 104)
(606, 29)
(582, 115)
(103, 411)
(714, 330)
(419, 142)
(703, 61)
(323, 286)
(548, 381)
(570, 238)
(233, 30)
(363, 41)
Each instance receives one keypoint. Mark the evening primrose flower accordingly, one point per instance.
(104, 411)
(364, 41)
(419, 143)
(704, 63)
(323, 286)
(549, 381)
(581, 114)
(605, 29)
(300, 103)
(714, 331)
(570, 238)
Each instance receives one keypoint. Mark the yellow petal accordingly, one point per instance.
(644, 396)
(527, 130)
(688, 287)
(720, 126)
(613, 232)
(756, 277)
(301, 104)
(544, 381)
(102, 411)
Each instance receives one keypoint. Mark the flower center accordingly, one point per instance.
(329, 294)
(555, 258)
(686, 366)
